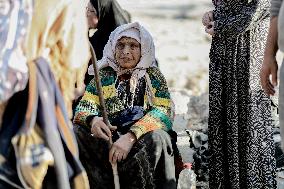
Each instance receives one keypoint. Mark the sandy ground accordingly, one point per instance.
(182, 46)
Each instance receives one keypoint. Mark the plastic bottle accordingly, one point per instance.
(187, 178)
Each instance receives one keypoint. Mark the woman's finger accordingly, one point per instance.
(209, 31)
(106, 129)
(124, 156)
(119, 157)
(211, 24)
(111, 154)
(270, 87)
(96, 120)
(210, 15)
(115, 157)
(101, 134)
(205, 20)
(267, 87)
(262, 80)
(93, 130)
(113, 128)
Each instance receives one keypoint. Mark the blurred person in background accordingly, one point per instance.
(109, 15)
(104, 16)
(44, 46)
(275, 42)
(14, 18)
(240, 125)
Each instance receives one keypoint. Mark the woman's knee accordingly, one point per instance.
(158, 137)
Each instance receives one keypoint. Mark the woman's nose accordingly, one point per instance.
(126, 49)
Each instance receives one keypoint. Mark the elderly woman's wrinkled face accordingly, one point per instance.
(127, 52)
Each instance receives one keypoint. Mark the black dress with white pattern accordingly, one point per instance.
(240, 125)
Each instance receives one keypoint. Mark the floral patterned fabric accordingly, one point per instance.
(15, 17)
(240, 124)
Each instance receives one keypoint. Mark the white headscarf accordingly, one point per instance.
(138, 32)
(126, 30)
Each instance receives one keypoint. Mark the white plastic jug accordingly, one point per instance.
(187, 178)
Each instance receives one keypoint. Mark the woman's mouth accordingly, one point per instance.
(125, 59)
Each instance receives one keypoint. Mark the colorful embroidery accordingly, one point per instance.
(156, 116)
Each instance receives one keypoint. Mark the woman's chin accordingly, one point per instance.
(127, 66)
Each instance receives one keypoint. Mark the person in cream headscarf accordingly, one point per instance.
(139, 108)
(43, 45)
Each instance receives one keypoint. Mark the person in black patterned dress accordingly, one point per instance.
(240, 125)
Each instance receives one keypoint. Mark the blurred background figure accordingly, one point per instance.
(104, 16)
(44, 47)
(62, 42)
(92, 17)
(110, 15)
(14, 19)
(273, 57)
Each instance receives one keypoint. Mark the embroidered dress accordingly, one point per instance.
(150, 161)
(240, 125)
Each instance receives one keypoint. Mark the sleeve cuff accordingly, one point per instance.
(88, 120)
(137, 131)
(83, 118)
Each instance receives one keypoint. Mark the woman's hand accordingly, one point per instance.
(207, 18)
(100, 129)
(210, 29)
(269, 67)
(269, 64)
(121, 147)
(208, 22)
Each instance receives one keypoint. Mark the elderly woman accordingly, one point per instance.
(139, 108)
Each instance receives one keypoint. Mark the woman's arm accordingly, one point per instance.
(88, 106)
(159, 115)
(269, 65)
(234, 19)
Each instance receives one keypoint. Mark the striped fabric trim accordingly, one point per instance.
(109, 91)
(137, 130)
(162, 102)
(162, 116)
(157, 117)
(94, 99)
(81, 118)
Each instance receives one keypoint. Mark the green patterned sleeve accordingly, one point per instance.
(158, 117)
(88, 105)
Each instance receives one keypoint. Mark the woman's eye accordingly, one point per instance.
(120, 46)
(134, 46)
